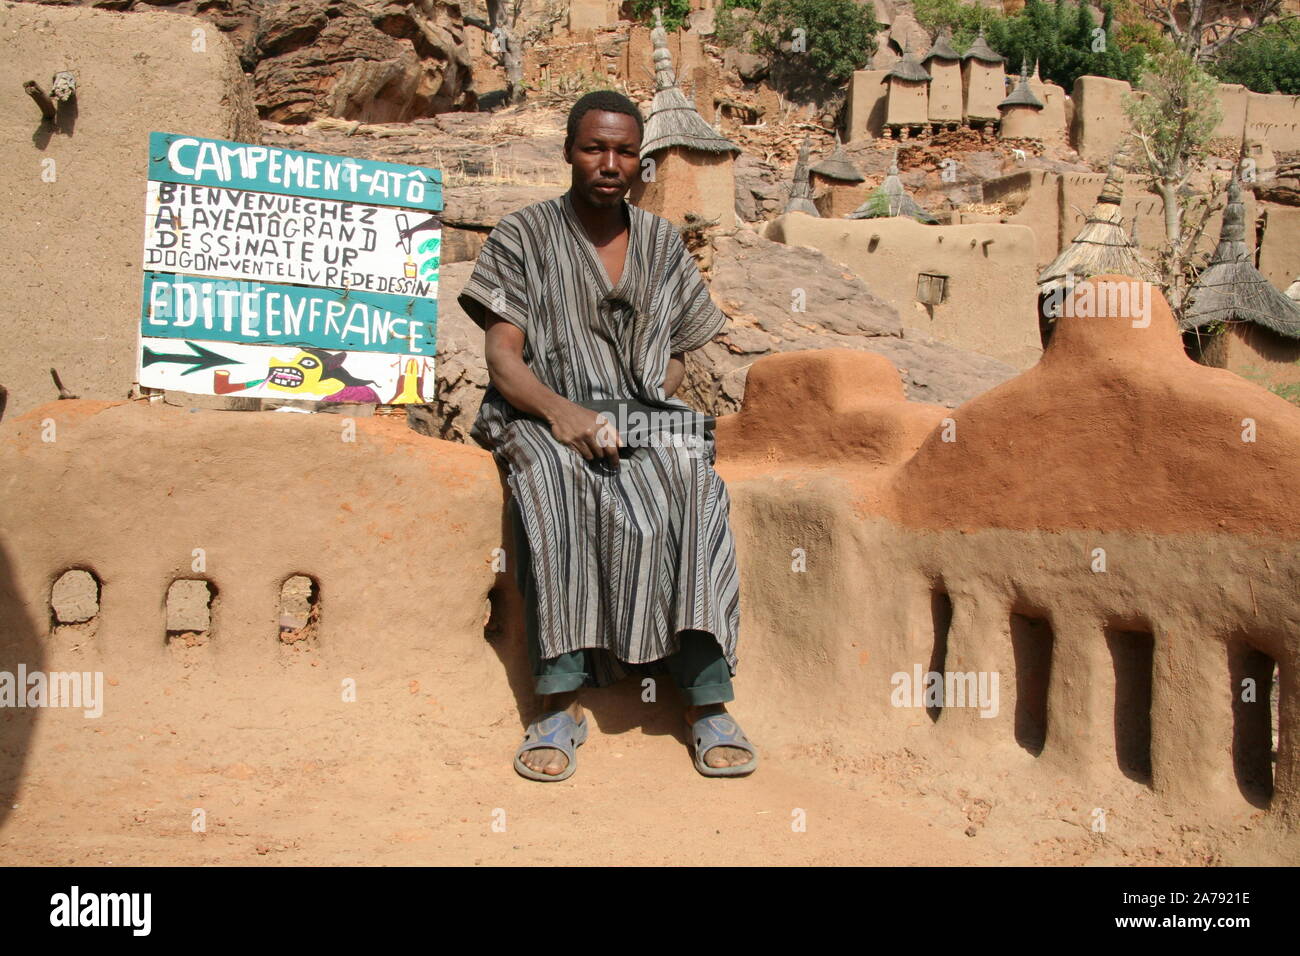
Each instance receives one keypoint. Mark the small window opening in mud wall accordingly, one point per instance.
(1047, 309)
(1256, 686)
(931, 288)
(189, 612)
(941, 621)
(299, 611)
(1031, 648)
(1132, 654)
(74, 600)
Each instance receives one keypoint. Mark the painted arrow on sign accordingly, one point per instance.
(200, 360)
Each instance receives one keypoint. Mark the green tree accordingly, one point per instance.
(1135, 32)
(674, 12)
(1032, 36)
(964, 19)
(823, 38)
(1108, 55)
(1066, 41)
(1267, 61)
(730, 26)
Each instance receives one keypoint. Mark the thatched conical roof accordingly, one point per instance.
(942, 49)
(891, 199)
(1022, 95)
(908, 69)
(1231, 289)
(838, 165)
(1101, 247)
(673, 121)
(801, 192)
(982, 52)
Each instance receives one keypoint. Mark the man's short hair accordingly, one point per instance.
(608, 101)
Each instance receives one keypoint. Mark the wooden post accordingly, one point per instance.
(58, 383)
(43, 101)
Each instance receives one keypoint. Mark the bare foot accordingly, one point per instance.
(718, 756)
(548, 760)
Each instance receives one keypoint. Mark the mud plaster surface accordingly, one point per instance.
(415, 769)
(401, 777)
(255, 732)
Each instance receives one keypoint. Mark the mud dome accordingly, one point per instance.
(1112, 533)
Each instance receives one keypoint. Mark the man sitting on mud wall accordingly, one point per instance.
(623, 550)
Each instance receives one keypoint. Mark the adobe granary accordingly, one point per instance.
(1036, 84)
(908, 106)
(891, 199)
(692, 160)
(1021, 112)
(1101, 246)
(943, 63)
(983, 82)
(1236, 319)
(840, 183)
(1053, 124)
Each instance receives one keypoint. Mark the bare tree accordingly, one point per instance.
(508, 43)
(1172, 117)
(1201, 28)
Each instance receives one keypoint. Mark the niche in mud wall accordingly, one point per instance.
(189, 612)
(300, 609)
(74, 603)
(941, 624)
(1132, 655)
(1032, 639)
(1256, 687)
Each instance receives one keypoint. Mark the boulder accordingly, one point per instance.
(372, 61)
(378, 61)
(462, 374)
(761, 189)
(749, 66)
(470, 211)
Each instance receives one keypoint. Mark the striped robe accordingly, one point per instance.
(623, 560)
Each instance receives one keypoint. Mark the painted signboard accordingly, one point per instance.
(278, 273)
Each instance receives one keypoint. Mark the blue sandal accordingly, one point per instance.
(720, 730)
(556, 730)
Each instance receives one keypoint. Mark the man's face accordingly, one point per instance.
(605, 155)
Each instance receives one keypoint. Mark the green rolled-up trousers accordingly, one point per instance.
(698, 667)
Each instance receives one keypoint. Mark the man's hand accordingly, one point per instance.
(583, 430)
(676, 372)
(579, 428)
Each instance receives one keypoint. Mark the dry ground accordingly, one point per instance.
(286, 772)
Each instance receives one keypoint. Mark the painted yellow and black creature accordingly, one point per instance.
(319, 375)
(318, 372)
